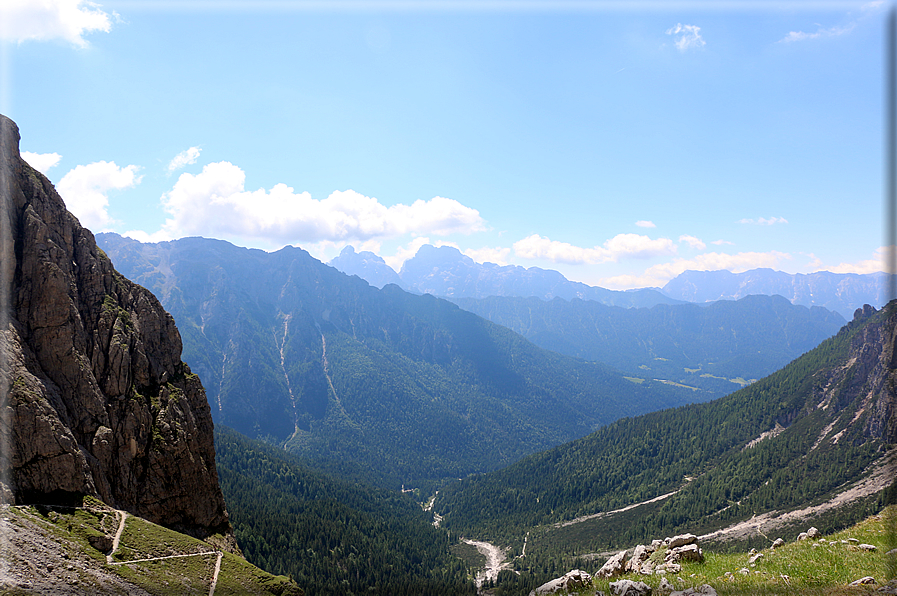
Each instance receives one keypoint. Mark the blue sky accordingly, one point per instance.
(619, 143)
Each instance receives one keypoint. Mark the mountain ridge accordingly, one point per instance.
(340, 367)
(446, 272)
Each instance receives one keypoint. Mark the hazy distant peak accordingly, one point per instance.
(366, 265)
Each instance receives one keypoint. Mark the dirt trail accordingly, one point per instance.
(215, 575)
(579, 520)
(117, 538)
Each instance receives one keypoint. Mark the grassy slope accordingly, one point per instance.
(822, 567)
(72, 528)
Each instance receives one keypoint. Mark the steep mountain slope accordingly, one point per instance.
(822, 426)
(99, 402)
(409, 388)
(702, 346)
(840, 292)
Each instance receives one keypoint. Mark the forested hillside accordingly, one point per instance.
(391, 386)
(333, 537)
(792, 439)
(717, 347)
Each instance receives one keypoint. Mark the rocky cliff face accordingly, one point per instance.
(868, 380)
(98, 401)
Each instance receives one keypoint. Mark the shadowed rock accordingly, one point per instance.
(99, 402)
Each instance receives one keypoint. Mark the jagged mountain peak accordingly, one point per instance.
(99, 402)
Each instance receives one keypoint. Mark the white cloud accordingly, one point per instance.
(762, 221)
(84, 190)
(141, 236)
(41, 161)
(621, 246)
(499, 256)
(43, 20)
(184, 158)
(721, 242)
(689, 37)
(693, 242)
(831, 32)
(660, 274)
(873, 265)
(643, 223)
(215, 203)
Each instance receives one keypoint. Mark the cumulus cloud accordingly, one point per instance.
(621, 246)
(762, 221)
(660, 274)
(693, 242)
(184, 158)
(499, 255)
(643, 223)
(721, 242)
(85, 188)
(215, 203)
(41, 161)
(688, 37)
(44, 20)
(873, 265)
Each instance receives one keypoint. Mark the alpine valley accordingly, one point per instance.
(370, 439)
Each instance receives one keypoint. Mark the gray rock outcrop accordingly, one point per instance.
(98, 402)
(573, 580)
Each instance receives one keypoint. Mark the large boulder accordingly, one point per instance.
(573, 580)
(614, 566)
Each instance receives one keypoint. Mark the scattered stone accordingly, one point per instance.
(639, 555)
(778, 542)
(891, 552)
(626, 587)
(853, 540)
(867, 547)
(574, 580)
(665, 585)
(744, 571)
(614, 566)
(802, 536)
(682, 540)
(813, 533)
(888, 588)
(668, 568)
(704, 589)
(689, 552)
(755, 558)
(864, 581)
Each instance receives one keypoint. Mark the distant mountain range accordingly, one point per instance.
(399, 387)
(840, 292)
(446, 272)
(717, 347)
